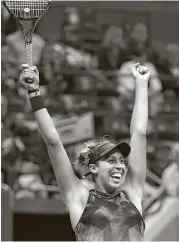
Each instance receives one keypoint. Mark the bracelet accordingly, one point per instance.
(36, 90)
(34, 94)
(37, 103)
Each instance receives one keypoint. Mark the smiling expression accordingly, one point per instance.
(109, 172)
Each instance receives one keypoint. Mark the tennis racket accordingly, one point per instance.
(27, 14)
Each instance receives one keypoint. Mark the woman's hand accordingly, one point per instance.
(141, 74)
(29, 77)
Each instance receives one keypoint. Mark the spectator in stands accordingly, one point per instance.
(175, 152)
(139, 33)
(64, 62)
(9, 77)
(16, 41)
(29, 184)
(165, 58)
(9, 60)
(173, 57)
(172, 52)
(116, 192)
(51, 64)
(126, 84)
(4, 106)
(139, 54)
(2, 177)
(7, 145)
(113, 52)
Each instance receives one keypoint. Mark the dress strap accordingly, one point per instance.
(125, 195)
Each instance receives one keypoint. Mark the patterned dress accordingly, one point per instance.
(110, 218)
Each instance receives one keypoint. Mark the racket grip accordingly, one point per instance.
(29, 61)
(29, 54)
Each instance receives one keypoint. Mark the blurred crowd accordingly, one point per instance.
(78, 78)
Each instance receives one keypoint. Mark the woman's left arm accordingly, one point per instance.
(138, 129)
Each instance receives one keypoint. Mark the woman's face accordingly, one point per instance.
(110, 173)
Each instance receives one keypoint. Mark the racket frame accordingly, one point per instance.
(27, 25)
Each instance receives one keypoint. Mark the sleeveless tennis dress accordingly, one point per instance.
(110, 218)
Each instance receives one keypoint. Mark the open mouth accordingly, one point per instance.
(116, 177)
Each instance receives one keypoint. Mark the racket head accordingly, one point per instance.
(27, 9)
(27, 14)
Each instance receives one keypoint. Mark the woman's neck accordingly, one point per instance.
(101, 189)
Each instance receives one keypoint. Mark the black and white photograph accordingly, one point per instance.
(89, 120)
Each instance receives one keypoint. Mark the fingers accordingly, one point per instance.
(32, 68)
(136, 64)
(28, 72)
(26, 79)
(25, 66)
(146, 69)
(139, 71)
(142, 69)
(28, 76)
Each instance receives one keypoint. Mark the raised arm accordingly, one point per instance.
(68, 183)
(138, 129)
(139, 118)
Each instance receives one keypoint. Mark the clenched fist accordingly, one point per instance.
(29, 77)
(140, 73)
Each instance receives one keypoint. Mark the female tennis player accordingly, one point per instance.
(108, 208)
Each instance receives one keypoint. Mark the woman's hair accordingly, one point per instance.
(85, 156)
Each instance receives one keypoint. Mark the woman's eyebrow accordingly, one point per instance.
(112, 156)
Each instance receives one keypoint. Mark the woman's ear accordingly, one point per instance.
(93, 169)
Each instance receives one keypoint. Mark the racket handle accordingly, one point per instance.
(29, 54)
(28, 48)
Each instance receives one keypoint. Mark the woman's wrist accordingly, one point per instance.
(142, 86)
(36, 100)
(34, 93)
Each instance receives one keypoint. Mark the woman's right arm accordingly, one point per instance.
(68, 183)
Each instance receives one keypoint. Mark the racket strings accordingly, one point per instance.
(27, 9)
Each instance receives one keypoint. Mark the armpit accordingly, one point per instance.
(87, 183)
